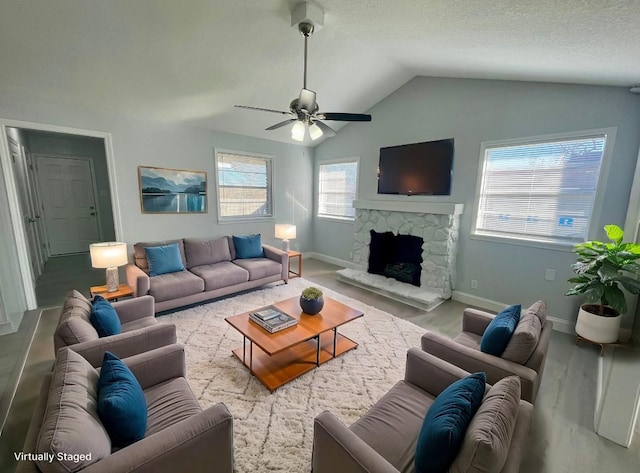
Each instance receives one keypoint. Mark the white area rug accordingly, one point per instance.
(274, 432)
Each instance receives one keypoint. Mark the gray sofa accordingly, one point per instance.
(464, 351)
(384, 440)
(179, 432)
(211, 270)
(141, 331)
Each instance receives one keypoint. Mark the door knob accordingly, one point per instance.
(92, 213)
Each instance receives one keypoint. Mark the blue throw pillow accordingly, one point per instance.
(104, 317)
(249, 246)
(498, 333)
(121, 404)
(446, 422)
(163, 259)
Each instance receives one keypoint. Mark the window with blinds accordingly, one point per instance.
(244, 185)
(337, 185)
(542, 190)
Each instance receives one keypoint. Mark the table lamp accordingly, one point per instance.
(109, 255)
(286, 232)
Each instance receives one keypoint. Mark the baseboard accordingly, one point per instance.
(559, 325)
(476, 301)
(6, 328)
(331, 260)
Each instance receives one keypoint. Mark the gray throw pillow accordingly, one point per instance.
(486, 442)
(539, 309)
(524, 340)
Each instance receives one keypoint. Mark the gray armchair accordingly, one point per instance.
(179, 435)
(464, 352)
(385, 439)
(141, 331)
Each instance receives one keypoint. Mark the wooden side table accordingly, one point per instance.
(124, 290)
(295, 254)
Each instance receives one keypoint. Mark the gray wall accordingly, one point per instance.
(137, 142)
(472, 111)
(58, 144)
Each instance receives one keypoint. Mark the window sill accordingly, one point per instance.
(336, 219)
(246, 220)
(546, 245)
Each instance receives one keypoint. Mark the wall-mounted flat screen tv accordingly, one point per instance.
(416, 169)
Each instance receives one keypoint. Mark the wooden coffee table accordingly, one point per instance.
(277, 358)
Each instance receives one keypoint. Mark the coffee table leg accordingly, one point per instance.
(335, 336)
(318, 351)
(250, 356)
(244, 348)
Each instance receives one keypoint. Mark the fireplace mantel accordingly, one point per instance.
(414, 207)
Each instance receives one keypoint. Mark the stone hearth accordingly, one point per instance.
(436, 223)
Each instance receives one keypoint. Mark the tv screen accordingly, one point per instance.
(416, 169)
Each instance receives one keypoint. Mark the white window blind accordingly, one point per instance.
(541, 191)
(244, 185)
(337, 187)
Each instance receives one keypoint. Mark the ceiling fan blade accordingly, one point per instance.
(307, 100)
(281, 124)
(326, 129)
(345, 117)
(263, 109)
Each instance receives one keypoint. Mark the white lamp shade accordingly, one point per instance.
(285, 231)
(298, 130)
(315, 131)
(108, 255)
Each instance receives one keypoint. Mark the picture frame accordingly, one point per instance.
(172, 191)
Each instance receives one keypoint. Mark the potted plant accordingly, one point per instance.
(311, 300)
(602, 268)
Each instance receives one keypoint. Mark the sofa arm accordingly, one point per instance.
(134, 309)
(127, 344)
(203, 442)
(476, 321)
(430, 373)
(473, 360)
(157, 366)
(138, 280)
(279, 256)
(336, 449)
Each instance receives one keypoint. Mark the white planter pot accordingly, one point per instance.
(596, 328)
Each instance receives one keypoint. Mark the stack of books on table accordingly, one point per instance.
(272, 320)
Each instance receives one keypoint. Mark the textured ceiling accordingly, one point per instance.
(190, 61)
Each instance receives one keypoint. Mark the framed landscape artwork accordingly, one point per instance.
(172, 191)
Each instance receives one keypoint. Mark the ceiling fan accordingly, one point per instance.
(303, 111)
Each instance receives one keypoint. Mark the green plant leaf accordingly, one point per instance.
(614, 297)
(630, 284)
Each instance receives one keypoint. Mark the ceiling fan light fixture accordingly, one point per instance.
(298, 130)
(315, 131)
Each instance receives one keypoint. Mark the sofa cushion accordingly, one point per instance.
(446, 422)
(71, 423)
(220, 275)
(169, 403)
(201, 252)
(524, 340)
(121, 404)
(487, 440)
(104, 317)
(499, 331)
(539, 309)
(74, 325)
(248, 246)
(175, 285)
(259, 268)
(140, 257)
(139, 323)
(164, 259)
(392, 425)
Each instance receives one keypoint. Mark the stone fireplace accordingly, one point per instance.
(437, 224)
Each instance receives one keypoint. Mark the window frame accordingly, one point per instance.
(270, 187)
(596, 211)
(335, 218)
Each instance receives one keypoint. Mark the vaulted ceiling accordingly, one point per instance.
(190, 61)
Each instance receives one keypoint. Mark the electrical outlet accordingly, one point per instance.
(474, 284)
(550, 275)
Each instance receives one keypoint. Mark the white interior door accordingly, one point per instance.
(67, 192)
